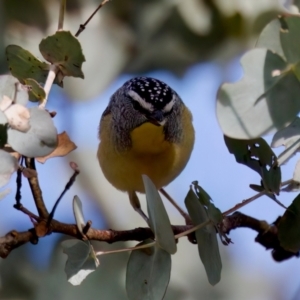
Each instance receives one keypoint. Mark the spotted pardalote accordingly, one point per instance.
(145, 129)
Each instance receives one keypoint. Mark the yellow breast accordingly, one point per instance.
(148, 139)
(150, 154)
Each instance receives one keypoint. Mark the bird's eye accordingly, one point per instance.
(136, 105)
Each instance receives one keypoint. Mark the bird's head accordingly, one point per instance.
(152, 98)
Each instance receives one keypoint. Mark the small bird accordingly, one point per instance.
(145, 129)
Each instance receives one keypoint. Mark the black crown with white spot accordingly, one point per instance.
(151, 90)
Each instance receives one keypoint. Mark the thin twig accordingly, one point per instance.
(82, 26)
(62, 10)
(27, 212)
(286, 182)
(19, 186)
(36, 190)
(180, 210)
(243, 203)
(67, 187)
(247, 201)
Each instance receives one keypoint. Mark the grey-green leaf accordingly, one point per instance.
(266, 98)
(213, 212)
(148, 273)
(269, 38)
(206, 239)
(290, 39)
(78, 213)
(12, 88)
(159, 219)
(289, 227)
(288, 137)
(81, 260)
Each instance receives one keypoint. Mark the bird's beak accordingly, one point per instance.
(157, 118)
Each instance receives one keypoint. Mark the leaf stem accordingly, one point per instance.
(180, 210)
(126, 249)
(244, 202)
(199, 226)
(48, 84)
(286, 182)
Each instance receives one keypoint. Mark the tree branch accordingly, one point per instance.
(267, 234)
(36, 190)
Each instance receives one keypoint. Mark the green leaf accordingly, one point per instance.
(264, 99)
(213, 212)
(23, 64)
(63, 50)
(257, 155)
(289, 227)
(81, 260)
(206, 239)
(37, 93)
(148, 273)
(159, 219)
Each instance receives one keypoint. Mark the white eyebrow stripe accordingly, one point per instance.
(169, 106)
(135, 96)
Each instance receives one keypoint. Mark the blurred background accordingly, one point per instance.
(192, 45)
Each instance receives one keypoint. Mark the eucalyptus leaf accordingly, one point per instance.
(22, 64)
(8, 166)
(257, 155)
(12, 88)
(81, 260)
(290, 39)
(213, 212)
(159, 219)
(289, 227)
(78, 213)
(37, 93)
(148, 273)
(269, 38)
(64, 50)
(266, 98)
(206, 239)
(289, 137)
(39, 140)
(294, 185)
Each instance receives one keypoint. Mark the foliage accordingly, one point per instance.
(264, 100)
